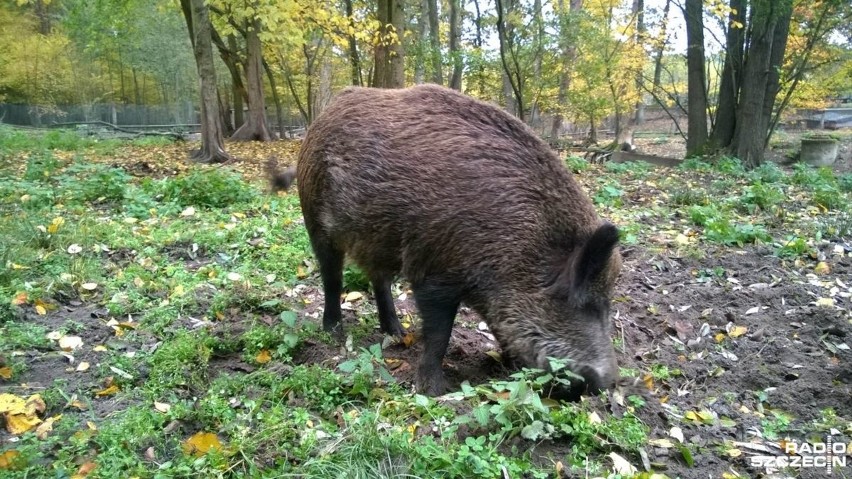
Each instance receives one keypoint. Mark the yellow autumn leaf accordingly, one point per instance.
(353, 296)
(9, 403)
(719, 337)
(54, 225)
(200, 443)
(10, 460)
(822, 268)
(21, 423)
(6, 372)
(263, 357)
(737, 331)
(408, 340)
(44, 428)
(108, 391)
(40, 310)
(162, 407)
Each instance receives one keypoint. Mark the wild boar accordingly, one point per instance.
(465, 202)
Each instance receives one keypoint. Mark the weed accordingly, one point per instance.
(829, 198)
(730, 166)
(215, 188)
(721, 230)
(767, 173)
(610, 195)
(760, 196)
(577, 164)
(688, 197)
(696, 164)
(793, 246)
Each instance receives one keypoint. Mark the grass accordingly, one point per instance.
(188, 281)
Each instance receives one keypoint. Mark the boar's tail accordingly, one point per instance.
(279, 180)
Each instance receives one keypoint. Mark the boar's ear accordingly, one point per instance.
(592, 261)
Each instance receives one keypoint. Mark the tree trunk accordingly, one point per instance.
(696, 139)
(354, 60)
(568, 52)
(478, 44)
(658, 60)
(639, 13)
(323, 96)
(238, 89)
(255, 127)
(726, 110)
(390, 58)
(757, 83)
(420, 41)
(508, 57)
(199, 26)
(435, 43)
(538, 58)
(279, 112)
(455, 37)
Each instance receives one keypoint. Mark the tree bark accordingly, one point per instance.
(508, 58)
(199, 26)
(279, 112)
(726, 110)
(696, 139)
(422, 50)
(255, 126)
(435, 43)
(768, 34)
(354, 60)
(390, 57)
(455, 38)
(639, 13)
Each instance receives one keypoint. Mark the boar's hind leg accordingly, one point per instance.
(388, 320)
(331, 269)
(438, 311)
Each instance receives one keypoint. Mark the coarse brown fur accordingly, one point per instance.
(469, 205)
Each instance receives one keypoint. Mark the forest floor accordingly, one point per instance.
(161, 319)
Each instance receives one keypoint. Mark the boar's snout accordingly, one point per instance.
(595, 380)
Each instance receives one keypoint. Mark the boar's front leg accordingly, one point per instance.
(388, 319)
(438, 306)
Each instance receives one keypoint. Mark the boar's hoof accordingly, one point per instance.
(431, 382)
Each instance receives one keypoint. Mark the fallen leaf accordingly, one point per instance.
(495, 355)
(263, 357)
(825, 302)
(83, 366)
(162, 407)
(70, 343)
(235, 276)
(737, 331)
(19, 299)
(74, 249)
(108, 391)
(594, 418)
(40, 310)
(753, 310)
(353, 296)
(664, 443)
(21, 423)
(10, 460)
(100, 348)
(408, 340)
(6, 372)
(84, 470)
(188, 212)
(89, 286)
(621, 465)
(44, 428)
(200, 443)
(734, 452)
(822, 268)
